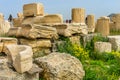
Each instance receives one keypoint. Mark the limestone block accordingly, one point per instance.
(78, 15)
(112, 26)
(103, 26)
(75, 39)
(49, 19)
(23, 60)
(38, 52)
(7, 41)
(115, 18)
(57, 65)
(90, 21)
(20, 15)
(102, 46)
(33, 9)
(36, 31)
(1, 17)
(17, 22)
(1, 47)
(41, 43)
(115, 41)
(69, 30)
(4, 27)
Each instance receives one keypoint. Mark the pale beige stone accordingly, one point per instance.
(1, 47)
(36, 31)
(115, 18)
(70, 29)
(6, 73)
(41, 43)
(103, 26)
(90, 21)
(33, 9)
(49, 19)
(4, 27)
(20, 15)
(7, 41)
(115, 41)
(23, 60)
(17, 22)
(1, 17)
(102, 46)
(75, 39)
(57, 65)
(78, 15)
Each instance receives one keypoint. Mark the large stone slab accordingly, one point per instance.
(69, 30)
(61, 66)
(102, 46)
(7, 73)
(33, 9)
(4, 41)
(49, 19)
(20, 56)
(44, 20)
(1, 17)
(40, 43)
(115, 41)
(4, 27)
(17, 22)
(34, 32)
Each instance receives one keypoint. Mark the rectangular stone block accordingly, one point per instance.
(17, 22)
(41, 43)
(75, 39)
(33, 9)
(115, 41)
(102, 46)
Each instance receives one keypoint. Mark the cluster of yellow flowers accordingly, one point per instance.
(80, 52)
(116, 54)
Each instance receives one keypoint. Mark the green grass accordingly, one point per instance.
(97, 66)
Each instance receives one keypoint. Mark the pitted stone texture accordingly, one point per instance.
(61, 66)
(115, 41)
(71, 29)
(34, 32)
(4, 41)
(102, 46)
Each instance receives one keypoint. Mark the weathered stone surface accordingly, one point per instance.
(44, 20)
(20, 15)
(35, 69)
(38, 52)
(49, 19)
(20, 56)
(61, 66)
(1, 47)
(17, 22)
(35, 31)
(103, 26)
(90, 21)
(1, 17)
(4, 27)
(69, 30)
(78, 15)
(40, 43)
(102, 46)
(75, 39)
(115, 41)
(33, 9)
(7, 73)
(87, 38)
(7, 41)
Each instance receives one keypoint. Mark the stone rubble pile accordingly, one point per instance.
(38, 33)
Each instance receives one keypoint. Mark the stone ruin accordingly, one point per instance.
(36, 34)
